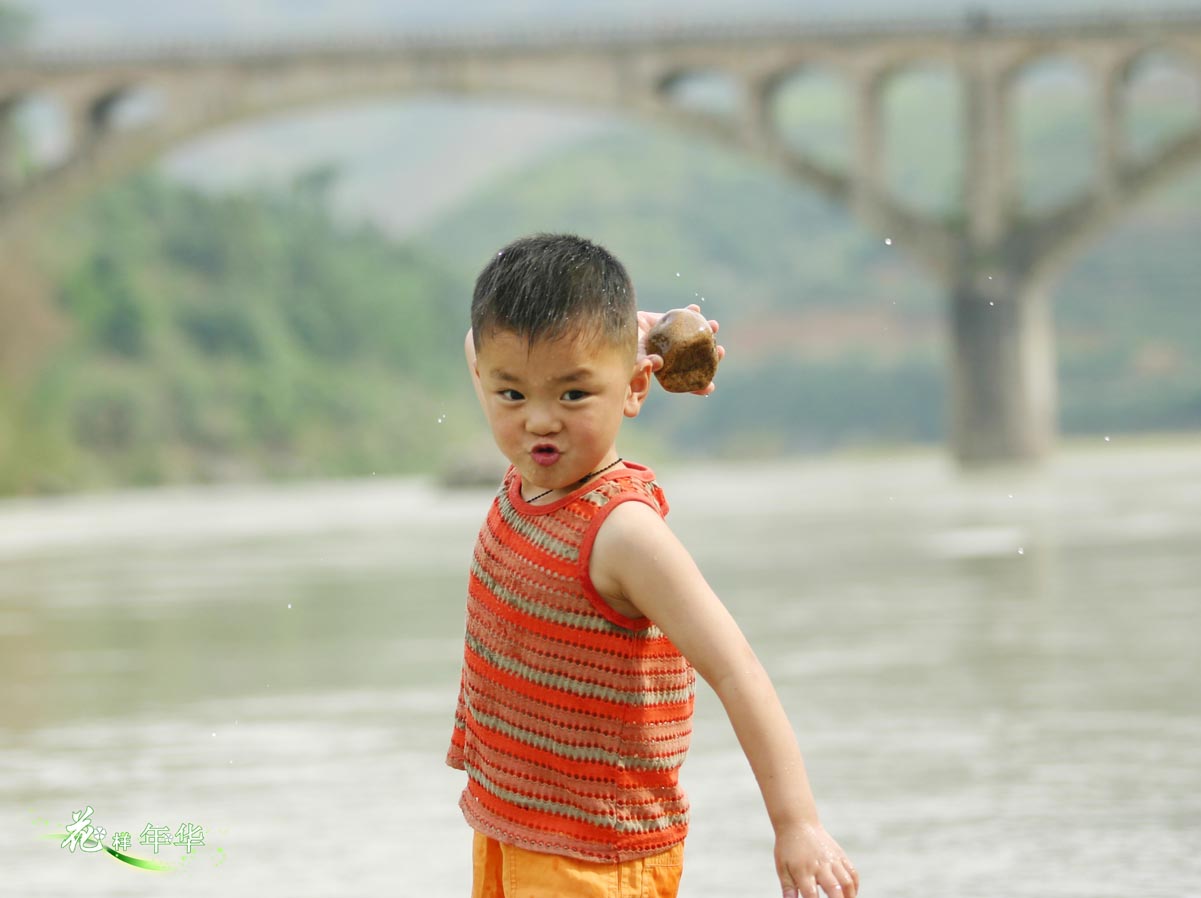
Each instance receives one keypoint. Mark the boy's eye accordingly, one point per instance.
(574, 395)
(511, 395)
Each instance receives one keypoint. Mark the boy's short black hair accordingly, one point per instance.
(548, 286)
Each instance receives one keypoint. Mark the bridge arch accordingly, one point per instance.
(1041, 156)
(37, 132)
(126, 106)
(927, 173)
(810, 108)
(710, 91)
(1181, 53)
(1161, 98)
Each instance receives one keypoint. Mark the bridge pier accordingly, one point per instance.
(869, 144)
(1111, 145)
(10, 150)
(1004, 398)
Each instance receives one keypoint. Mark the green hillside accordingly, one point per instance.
(215, 338)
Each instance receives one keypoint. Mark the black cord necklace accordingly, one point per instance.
(578, 483)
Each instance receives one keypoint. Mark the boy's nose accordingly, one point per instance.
(542, 421)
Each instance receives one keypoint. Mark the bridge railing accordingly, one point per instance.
(600, 34)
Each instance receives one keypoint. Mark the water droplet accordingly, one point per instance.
(888, 241)
(1011, 495)
(991, 303)
(1107, 439)
(677, 274)
(289, 604)
(441, 418)
(214, 735)
(1021, 551)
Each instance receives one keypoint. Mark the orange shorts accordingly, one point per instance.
(505, 871)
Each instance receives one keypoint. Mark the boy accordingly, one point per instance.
(575, 710)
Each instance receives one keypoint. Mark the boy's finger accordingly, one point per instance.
(712, 323)
(833, 885)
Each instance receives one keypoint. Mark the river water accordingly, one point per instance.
(995, 680)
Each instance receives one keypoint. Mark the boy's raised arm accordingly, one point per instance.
(637, 560)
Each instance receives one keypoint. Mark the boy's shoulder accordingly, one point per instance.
(635, 481)
(634, 486)
(630, 501)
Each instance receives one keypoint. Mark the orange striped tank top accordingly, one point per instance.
(572, 720)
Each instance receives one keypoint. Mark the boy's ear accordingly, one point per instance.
(640, 387)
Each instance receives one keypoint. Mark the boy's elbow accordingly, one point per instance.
(738, 676)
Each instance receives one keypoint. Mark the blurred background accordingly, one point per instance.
(950, 481)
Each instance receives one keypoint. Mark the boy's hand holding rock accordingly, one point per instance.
(682, 347)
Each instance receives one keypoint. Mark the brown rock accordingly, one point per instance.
(689, 349)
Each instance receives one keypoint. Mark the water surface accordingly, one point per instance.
(995, 680)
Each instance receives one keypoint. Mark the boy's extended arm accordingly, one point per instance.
(638, 561)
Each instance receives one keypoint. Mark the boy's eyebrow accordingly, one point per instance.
(570, 377)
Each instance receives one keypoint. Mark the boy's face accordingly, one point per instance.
(555, 406)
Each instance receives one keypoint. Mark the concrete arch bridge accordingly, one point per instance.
(994, 258)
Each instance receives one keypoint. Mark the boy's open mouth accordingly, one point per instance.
(545, 454)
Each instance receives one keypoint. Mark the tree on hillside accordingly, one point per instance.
(15, 24)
